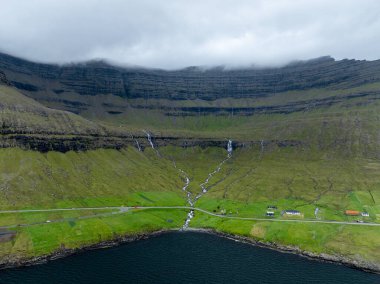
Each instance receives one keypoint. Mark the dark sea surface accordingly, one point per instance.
(186, 258)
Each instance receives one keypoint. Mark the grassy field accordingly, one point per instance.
(287, 177)
(353, 242)
(254, 178)
(32, 180)
(42, 239)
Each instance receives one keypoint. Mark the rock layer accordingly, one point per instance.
(93, 78)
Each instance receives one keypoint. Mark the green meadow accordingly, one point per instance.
(251, 180)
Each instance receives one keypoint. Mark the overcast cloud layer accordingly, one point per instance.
(173, 34)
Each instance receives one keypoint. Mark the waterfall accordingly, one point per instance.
(229, 148)
(184, 188)
(149, 139)
(138, 145)
(190, 201)
(203, 186)
(151, 142)
(190, 216)
(210, 175)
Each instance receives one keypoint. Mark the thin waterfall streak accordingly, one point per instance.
(151, 142)
(149, 139)
(184, 188)
(190, 215)
(138, 145)
(229, 148)
(190, 200)
(187, 179)
(219, 167)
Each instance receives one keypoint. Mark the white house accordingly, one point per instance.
(292, 212)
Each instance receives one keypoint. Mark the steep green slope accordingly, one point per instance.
(20, 114)
(31, 179)
(304, 136)
(253, 178)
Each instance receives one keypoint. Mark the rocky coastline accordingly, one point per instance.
(8, 263)
(323, 257)
(362, 265)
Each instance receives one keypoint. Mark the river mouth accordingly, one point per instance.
(186, 257)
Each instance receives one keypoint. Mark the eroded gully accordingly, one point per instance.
(183, 174)
(203, 185)
(189, 196)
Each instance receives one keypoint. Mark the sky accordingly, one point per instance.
(172, 34)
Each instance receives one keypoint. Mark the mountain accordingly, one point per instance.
(321, 102)
(95, 78)
(225, 143)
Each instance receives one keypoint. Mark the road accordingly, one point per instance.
(123, 209)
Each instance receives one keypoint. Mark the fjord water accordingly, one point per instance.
(186, 257)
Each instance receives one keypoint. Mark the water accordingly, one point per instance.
(149, 139)
(138, 145)
(218, 168)
(229, 148)
(186, 257)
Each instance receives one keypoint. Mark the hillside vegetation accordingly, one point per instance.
(304, 137)
(20, 114)
(251, 180)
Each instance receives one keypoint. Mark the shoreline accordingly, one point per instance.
(65, 252)
(323, 257)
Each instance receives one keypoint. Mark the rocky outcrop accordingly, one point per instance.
(3, 79)
(285, 108)
(62, 143)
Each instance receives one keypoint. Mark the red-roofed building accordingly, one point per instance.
(352, 213)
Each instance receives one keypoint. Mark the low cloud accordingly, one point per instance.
(177, 33)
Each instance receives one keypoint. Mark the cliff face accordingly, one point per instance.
(321, 103)
(191, 83)
(249, 83)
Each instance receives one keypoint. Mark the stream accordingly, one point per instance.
(151, 142)
(218, 168)
(183, 174)
(138, 145)
(203, 185)
(191, 201)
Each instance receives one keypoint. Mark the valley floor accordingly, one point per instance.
(56, 202)
(105, 213)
